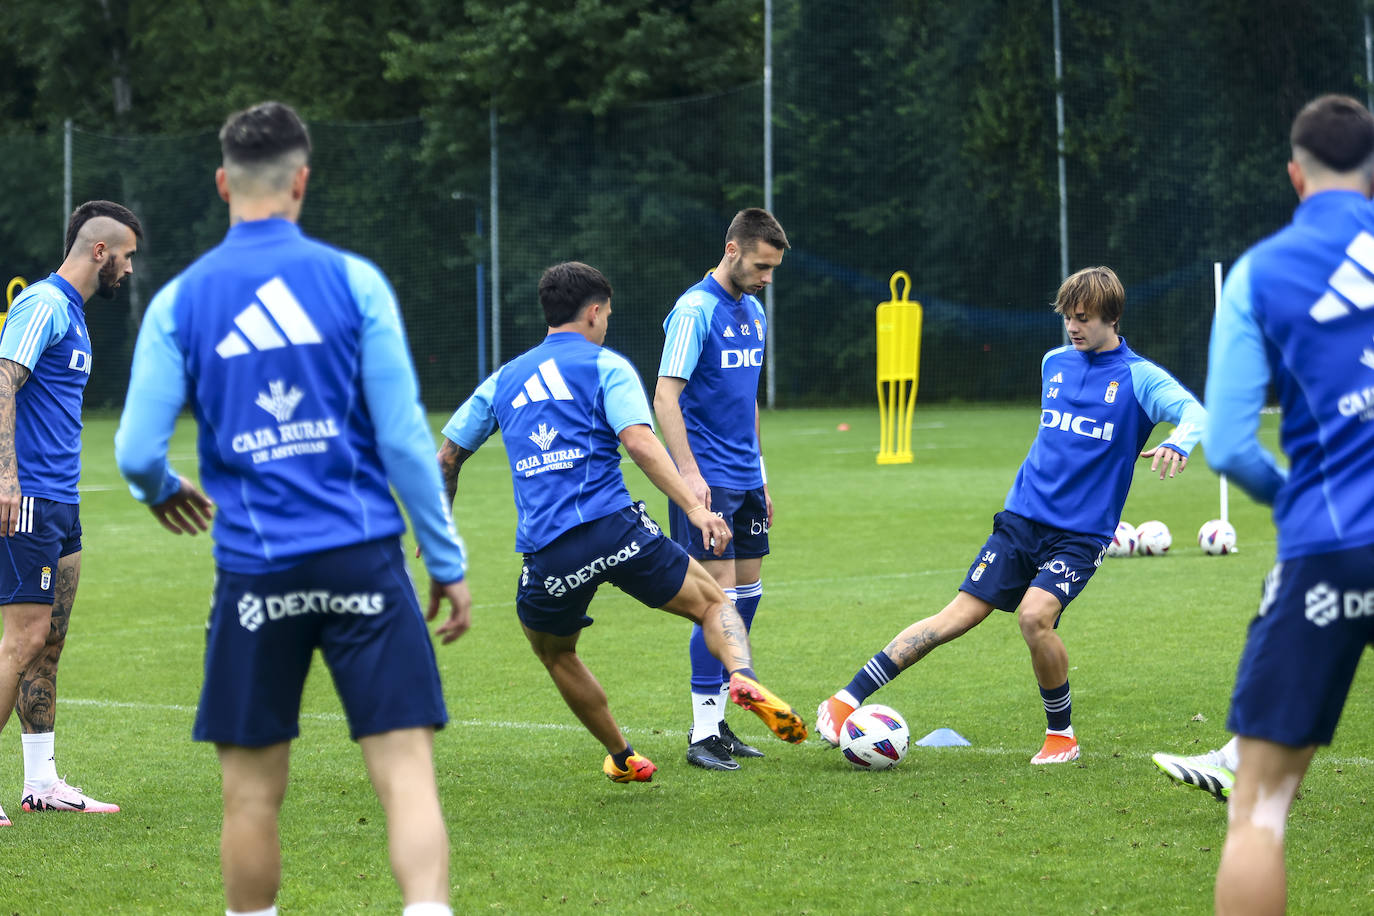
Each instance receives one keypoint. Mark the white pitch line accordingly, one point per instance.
(569, 727)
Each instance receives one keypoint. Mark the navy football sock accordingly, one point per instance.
(879, 670)
(1058, 706)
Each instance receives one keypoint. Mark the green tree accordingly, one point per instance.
(169, 66)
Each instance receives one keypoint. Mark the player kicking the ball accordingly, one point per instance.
(1099, 403)
(564, 408)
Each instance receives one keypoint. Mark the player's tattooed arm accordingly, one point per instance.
(451, 457)
(912, 645)
(12, 377)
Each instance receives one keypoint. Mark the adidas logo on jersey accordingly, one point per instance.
(729, 332)
(1058, 379)
(1352, 283)
(552, 386)
(256, 331)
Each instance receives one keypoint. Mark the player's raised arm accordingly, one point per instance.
(646, 451)
(1164, 400)
(470, 426)
(451, 457)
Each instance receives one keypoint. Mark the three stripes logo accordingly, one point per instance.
(1354, 285)
(542, 385)
(25, 516)
(261, 326)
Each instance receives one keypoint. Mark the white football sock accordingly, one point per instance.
(1231, 753)
(427, 909)
(270, 911)
(706, 715)
(40, 765)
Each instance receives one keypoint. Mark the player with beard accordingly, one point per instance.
(706, 401)
(45, 362)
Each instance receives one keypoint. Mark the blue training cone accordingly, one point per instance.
(944, 737)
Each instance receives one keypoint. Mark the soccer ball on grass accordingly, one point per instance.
(1154, 539)
(1217, 537)
(1124, 541)
(874, 737)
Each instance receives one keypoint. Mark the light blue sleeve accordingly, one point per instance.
(626, 403)
(403, 437)
(1238, 376)
(1055, 352)
(157, 392)
(475, 421)
(35, 322)
(1164, 400)
(685, 330)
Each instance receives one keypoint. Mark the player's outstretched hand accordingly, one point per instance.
(187, 511)
(1166, 460)
(715, 533)
(460, 609)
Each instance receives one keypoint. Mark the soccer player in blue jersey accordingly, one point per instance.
(1099, 403)
(1297, 312)
(564, 408)
(706, 400)
(45, 362)
(292, 357)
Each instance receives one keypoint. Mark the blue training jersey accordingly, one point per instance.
(1097, 411)
(45, 332)
(560, 408)
(716, 343)
(294, 361)
(1298, 309)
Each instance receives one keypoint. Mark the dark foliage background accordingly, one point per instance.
(913, 135)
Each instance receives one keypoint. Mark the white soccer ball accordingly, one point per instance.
(1153, 539)
(874, 737)
(1124, 541)
(1217, 537)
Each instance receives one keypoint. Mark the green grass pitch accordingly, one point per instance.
(859, 552)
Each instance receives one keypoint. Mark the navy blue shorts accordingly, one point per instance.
(625, 548)
(747, 513)
(47, 532)
(1020, 553)
(1314, 622)
(358, 606)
